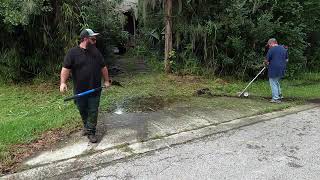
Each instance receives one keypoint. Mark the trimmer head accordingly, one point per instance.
(243, 94)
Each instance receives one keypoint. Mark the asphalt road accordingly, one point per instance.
(283, 148)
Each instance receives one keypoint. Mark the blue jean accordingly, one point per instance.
(275, 88)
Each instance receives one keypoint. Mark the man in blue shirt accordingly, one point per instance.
(276, 59)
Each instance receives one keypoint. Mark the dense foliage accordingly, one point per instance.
(35, 34)
(229, 37)
(218, 37)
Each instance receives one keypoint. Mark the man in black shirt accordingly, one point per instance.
(86, 64)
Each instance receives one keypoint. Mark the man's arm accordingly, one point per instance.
(268, 57)
(105, 75)
(63, 79)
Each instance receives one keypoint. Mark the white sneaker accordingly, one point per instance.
(275, 101)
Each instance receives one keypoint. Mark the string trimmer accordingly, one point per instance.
(246, 94)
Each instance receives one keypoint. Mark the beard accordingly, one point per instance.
(91, 47)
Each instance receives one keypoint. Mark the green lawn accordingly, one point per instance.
(27, 111)
(303, 88)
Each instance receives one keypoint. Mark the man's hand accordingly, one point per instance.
(63, 87)
(266, 62)
(107, 84)
(64, 76)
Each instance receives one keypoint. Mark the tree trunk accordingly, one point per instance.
(168, 35)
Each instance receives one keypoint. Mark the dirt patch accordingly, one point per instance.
(203, 92)
(21, 152)
(316, 101)
(145, 104)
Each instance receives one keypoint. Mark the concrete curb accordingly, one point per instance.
(63, 168)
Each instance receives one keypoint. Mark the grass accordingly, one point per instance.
(27, 111)
(303, 88)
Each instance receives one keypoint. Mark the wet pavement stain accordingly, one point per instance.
(141, 104)
(145, 104)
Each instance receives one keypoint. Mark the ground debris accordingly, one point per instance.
(203, 92)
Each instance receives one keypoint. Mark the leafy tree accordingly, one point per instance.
(168, 6)
(228, 37)
(37, 33)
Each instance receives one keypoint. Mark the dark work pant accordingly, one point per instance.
(88, 108)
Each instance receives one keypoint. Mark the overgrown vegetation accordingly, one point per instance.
(229, 37)
(36, 34)
(209, 37)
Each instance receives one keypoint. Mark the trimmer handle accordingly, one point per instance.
(83, 93)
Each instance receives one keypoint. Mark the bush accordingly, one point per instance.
(229, 37)
(36, 34)
(10, 65)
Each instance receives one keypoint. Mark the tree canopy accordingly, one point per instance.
(219, 37)
(36, 33)
(229, 37)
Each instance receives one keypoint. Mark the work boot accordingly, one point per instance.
(92, 138)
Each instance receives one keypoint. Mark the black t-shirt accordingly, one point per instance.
(85, 67)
